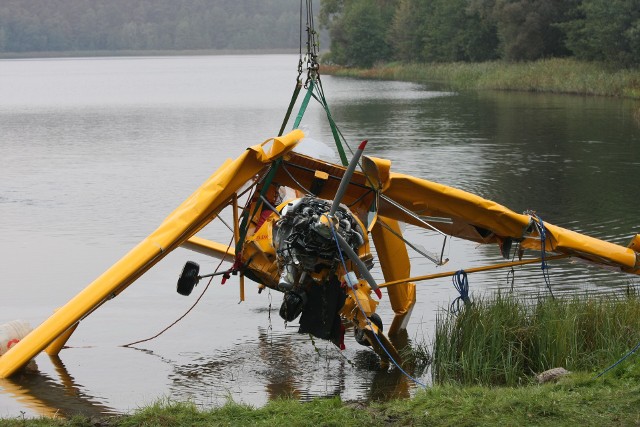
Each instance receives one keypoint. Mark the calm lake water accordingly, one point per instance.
(94, 153)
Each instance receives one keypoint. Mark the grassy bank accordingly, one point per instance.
(574, 400)
(505, 341)
(550, 75)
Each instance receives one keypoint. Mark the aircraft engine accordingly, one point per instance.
(306, 248)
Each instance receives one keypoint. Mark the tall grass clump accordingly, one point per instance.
(503, 340)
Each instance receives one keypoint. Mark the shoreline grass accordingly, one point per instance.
(573, 400)
(504, 340)
(556, 75)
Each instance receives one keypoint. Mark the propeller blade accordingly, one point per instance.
(342, 188)
(364, 271)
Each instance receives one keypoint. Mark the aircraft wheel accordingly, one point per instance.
(376, 320)
(188, 279)
(360, 333)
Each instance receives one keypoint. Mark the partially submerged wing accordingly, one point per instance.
(191, 216)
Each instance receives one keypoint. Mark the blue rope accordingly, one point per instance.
(542, 230)
(633, 350)
(461, 283)
(344, 265)
(543, 241)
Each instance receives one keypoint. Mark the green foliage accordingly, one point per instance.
(404, 34)
(481, 30)
(575, 400)
(441, 31)
(528, 28)
(606, 30)
(505, 341)
(358, 30)
(363, 32)
(453, 32)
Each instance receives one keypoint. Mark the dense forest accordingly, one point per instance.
(94, 25)
(364, 32)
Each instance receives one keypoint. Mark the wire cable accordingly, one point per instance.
(344, 265)
(633, 350)
(190, 308)
(461, 283)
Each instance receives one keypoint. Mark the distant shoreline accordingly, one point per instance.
(563, 76)
(130, 53)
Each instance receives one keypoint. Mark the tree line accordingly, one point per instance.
(364, 32)
(93, 25)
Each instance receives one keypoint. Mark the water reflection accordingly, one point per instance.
(289, 365)
(50, 398)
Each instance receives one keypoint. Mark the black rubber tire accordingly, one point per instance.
(188, 278)
(360, 335)
(376, 320)
(292, 305)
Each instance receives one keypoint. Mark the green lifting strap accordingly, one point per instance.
(334, 128)
(303, 107)
(294, 98)
(323, 102)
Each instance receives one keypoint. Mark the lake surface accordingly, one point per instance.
(94, 153)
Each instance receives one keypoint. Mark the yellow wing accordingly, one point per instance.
(191, 216)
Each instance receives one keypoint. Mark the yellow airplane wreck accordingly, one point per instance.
(305, 230)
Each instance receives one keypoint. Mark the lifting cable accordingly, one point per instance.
(312, 77)
(298, 87)
(313, 44)
(312, 82)
(337, 135)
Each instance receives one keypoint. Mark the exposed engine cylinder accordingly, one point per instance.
(305, 244)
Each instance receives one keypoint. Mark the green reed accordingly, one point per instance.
(504, 340)
(556, 75)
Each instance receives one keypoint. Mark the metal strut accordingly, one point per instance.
(470, 270)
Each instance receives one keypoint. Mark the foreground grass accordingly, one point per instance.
(549, 75)
(574, 400)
